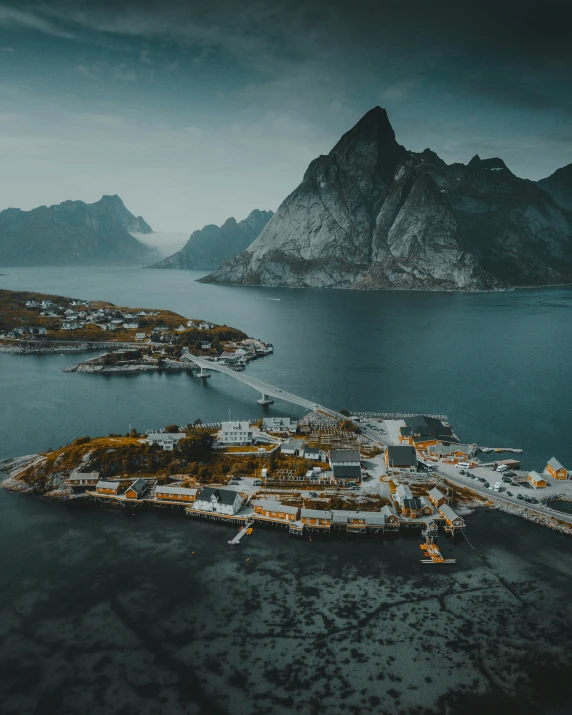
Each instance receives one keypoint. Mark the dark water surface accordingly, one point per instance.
(106, 613)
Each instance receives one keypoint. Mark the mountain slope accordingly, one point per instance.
(559, 186)
(72, 233)
(213, 245)
(372, 215)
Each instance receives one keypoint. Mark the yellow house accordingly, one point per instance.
(183, 494)
(556, 470)
(316, 518)
(136, 490)
(108, 488)
(537, 481)
(269, 509)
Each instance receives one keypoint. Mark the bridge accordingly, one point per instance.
(268, 392)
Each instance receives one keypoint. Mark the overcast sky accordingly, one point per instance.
(194, 111)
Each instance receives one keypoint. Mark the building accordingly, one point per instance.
(345, 464)
(166, 440)
(293, 446)
(137, 489)
(131, 326)
(83, 479)
(235, 433)
(390, 516)
(172, 493)
(451, 451)
(510, 463)
(140, 337)
(452, 520)
(316, 518)
(218, 501)
(437, 498)
(416, 507)
(402, 492)
(401, 457)
(104, 487)
(279, 424)
(270, 509)
(537, 481)
(556, 470)
(312, 453)
(423, 431)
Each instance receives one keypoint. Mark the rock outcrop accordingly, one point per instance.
(210, 247)
(373, 215)
(559, 186)
(73, 233)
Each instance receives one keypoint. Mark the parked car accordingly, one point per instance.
(519, 496)
(257, 483)
(462, 465)
(502, 468)
(509, 494)
(314, 495)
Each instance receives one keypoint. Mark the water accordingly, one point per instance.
(106, 613)
(497, 364)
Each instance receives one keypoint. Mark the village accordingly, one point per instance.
(316, 476)
(137, 339)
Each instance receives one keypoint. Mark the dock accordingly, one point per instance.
(247, 528)
(431, 550)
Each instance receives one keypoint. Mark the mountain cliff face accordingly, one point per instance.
(213, 245)
(72, 233)
(559, 186)
(372, 215)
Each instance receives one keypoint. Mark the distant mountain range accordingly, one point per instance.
(371, 214)
(210, 247)
(73, 233)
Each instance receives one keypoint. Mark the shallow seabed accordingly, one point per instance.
(102, 612)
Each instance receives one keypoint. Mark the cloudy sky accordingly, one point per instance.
(196, 110)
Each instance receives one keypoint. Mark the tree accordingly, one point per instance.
(171, 429)
(197, 446)
(345, 412)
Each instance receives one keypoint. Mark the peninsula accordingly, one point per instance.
(136, 338)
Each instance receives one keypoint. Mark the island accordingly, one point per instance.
(136, 338)
(370, 474)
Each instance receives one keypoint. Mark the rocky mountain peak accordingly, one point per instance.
(492, 164)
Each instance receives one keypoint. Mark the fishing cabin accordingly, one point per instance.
(453, 522)
(556, 470)
(437, 498)
(316, 518)
(179, 494)
(274, 510)
(536, 480)
(137, 489)
(112, 488)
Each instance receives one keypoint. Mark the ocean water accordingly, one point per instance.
(106, 612)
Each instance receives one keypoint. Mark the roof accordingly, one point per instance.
(343, 456)
(346, 471)
(315, 514)
(403, 455)
(271, 505)
(276, 422)
(83, 475)
(555, 464)
(449, 448)
(225, 496)
(293, 444)
(387, 511)
(138, 485)
(416, 503)
(176, 490)
(420, 427)
(311, 450)
(446, 511)
(107, 485)
(162, 436)
(536, 476)
(235, 426)
(436, 494)
(403, 491)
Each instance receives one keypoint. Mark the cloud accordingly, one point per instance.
(11, 17)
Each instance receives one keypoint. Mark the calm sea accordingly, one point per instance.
(101, 612)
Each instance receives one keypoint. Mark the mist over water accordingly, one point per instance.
(104, 612)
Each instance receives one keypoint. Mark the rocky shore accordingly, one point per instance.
(38, 349)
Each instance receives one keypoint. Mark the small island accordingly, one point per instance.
(137, 338)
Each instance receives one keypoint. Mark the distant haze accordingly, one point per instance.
(196, 111)
(164, 243)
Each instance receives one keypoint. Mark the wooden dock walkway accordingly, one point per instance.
(242, 532)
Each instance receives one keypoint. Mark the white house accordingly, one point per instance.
(219, 501)
(42, 331)
(31, 304)
(83, 479)
(235, 433)
(69, 326)
(166, 440)
(140, 337)
(402, 492)
(130, 326)
(205, 345)
(293, 446)
(45, 304)
(279, 424)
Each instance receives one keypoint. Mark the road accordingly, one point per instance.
(452, 475)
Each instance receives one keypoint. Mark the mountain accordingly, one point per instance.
(213, 245)
(559, 186)
(373, 215)
(73, 233)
